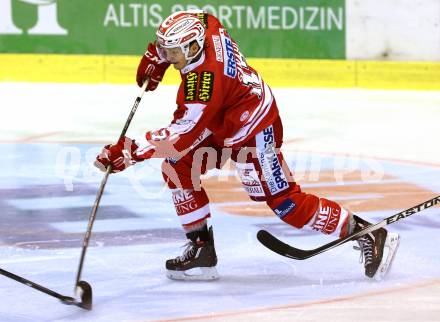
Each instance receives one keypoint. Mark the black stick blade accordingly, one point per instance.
(85, 292)
(70, 301)
(277, 246)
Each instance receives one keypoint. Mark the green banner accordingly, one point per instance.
(279, 28)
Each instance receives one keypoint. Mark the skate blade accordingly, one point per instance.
(390, 248)
(194, 274)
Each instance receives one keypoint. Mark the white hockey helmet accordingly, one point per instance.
(179, 30)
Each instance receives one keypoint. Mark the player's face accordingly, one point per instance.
(175, 56)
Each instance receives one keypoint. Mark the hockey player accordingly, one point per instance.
(225, 110)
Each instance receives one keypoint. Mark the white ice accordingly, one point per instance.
(50, 133)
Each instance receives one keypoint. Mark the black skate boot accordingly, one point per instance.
(377, 249)
(197, 261)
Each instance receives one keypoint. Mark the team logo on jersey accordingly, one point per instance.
(269, 161)
(190, 86)
(206, 86)
(244, 116)
(250, 180)
(218, 48)
(230, 64)
(284, 208)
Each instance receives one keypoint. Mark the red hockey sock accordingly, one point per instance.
(330, 218)
(192, 207)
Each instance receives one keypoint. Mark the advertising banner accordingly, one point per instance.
(278, 29)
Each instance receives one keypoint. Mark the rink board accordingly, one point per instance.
(276, 72)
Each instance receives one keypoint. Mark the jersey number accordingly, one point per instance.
(248, 76)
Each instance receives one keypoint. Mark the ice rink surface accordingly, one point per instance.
(376, 152)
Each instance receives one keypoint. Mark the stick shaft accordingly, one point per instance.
(102, 186)
(392, 219)
(274, 244)
(31, 284)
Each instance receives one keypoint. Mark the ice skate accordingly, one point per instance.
(377, 249)
(197, 262)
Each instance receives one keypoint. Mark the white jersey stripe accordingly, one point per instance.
(194, 215)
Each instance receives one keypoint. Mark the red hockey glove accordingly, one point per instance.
(120, 156)
(151, 67)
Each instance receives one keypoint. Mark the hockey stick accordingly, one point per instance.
(64, 299)
(82, 287)
(274, 244)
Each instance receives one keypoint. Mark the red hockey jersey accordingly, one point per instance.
(220, 95)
